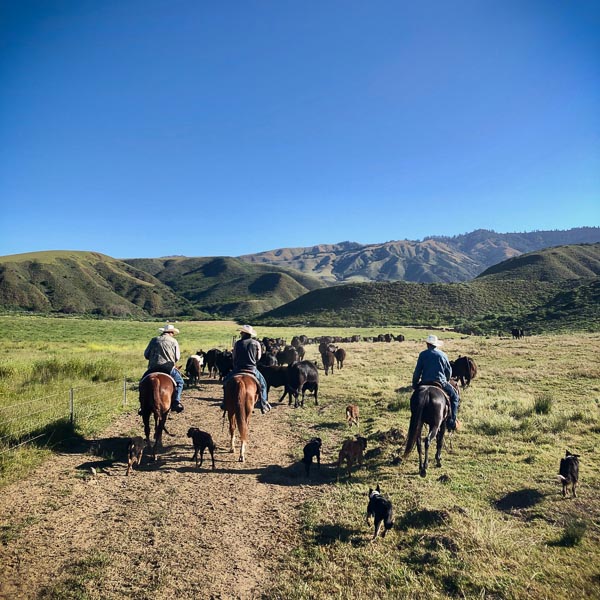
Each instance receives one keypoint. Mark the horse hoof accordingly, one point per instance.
(423, 473)
(438, 463)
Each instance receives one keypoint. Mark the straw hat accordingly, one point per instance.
(434, 341)
(248, 329)
(168, 328)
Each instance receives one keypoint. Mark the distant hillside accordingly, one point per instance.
(228, 287)
(435, 259)
(85, 283)
(565, 296)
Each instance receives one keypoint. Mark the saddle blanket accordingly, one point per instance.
(165, 374)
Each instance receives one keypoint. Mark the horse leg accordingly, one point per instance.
(232, 432)
(242, 457)
(439, 444)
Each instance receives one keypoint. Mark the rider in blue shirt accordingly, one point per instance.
(433, 365)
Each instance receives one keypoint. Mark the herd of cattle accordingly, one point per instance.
(283, 365)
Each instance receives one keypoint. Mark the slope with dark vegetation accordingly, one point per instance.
(553, 289)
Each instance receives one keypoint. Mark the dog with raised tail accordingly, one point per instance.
(381, 510)
(568, 472)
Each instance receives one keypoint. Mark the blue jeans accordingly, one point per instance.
(261, 381)
(453, 403)
(176, 375)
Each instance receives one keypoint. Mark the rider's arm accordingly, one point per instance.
(418, 370)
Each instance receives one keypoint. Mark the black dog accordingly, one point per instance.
(135, 451)
(568, 472)
(313, 448)
(202, 440)
(381, 509)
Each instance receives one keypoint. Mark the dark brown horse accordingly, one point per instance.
(156, 391)
(428, 404)
(241, 394)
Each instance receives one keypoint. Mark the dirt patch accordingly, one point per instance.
(168, 530)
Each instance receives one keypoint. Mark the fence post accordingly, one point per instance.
(124, 391)
(72, 404)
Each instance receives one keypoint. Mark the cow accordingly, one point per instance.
(517, 333)
(275, 376)
(193, 367)
(288, 355)
(302, 376)
(267, 360)
(464, 369)
(224, 363)
(340, 357)
(328, 358)
(210, 361)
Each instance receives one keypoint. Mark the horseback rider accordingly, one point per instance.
(246, 354)
(433, 366)
(162, 354)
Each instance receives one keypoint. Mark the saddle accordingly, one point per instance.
(250, 374)
(438, 385)
(146, 377)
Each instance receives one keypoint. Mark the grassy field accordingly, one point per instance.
(491, 523)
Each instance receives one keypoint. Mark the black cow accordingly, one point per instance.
(302, 376)
(275, 376)
(268, 360)
(224, 363)
(465, 369)
(210, 361)
(340, 356)
(328, 358)
(288, 355)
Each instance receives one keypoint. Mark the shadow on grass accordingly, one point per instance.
(518, 500)
(423, 519)
(325, 535)
(332, 425)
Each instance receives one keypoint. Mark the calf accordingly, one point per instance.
(352, 415)
(568, 472)
(201, 441)
(352, 451)
(328, 358)
(135, 452)
(312, 449)
(340, 356)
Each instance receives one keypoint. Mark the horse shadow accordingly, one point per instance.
(331, 425)
(519, 500)
(295, 474)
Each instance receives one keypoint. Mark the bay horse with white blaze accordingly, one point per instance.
(156, 391)
(241, 394)
(428, 404)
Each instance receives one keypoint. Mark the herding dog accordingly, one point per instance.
(312, 449)
(135, 451)
(380, 509)
(351, 452)
(201, 441)
(568, 472)
(352, 415)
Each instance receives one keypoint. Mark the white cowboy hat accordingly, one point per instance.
(434, 341)
(168, 328)
(248, 329)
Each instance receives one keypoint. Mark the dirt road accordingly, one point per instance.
(168, 530)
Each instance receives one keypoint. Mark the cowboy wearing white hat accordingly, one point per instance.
(246, 354)
(433, 365)
(162, 354)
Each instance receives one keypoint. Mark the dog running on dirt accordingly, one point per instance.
(352, 452)
(381, 510)
(201, 441)
(135, 450)
(312, 449)
(568, 472)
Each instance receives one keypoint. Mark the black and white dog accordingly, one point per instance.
(312, 449)
(568, 472)
(381, 510)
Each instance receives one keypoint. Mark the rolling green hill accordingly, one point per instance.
(228, 287)
(70, 282)
(553, 289)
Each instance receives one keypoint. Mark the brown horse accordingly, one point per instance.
(241, 394)
(428, 404)
(156, 391)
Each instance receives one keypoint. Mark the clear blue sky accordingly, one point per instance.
(143, 128)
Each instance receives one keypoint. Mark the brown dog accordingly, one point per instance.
(135, 452)
(352, 415)
(201, 441)
(352, 451)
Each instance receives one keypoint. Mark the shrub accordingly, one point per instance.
(543, 403)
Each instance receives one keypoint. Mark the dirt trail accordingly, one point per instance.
(166, 531)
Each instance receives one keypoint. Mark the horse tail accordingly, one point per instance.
(417, 403)
(156, 396)
(240, 410)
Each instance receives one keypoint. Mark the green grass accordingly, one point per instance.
(491, 522)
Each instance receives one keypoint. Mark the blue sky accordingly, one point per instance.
(149, 128)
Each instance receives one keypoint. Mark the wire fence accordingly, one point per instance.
(23, 423)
